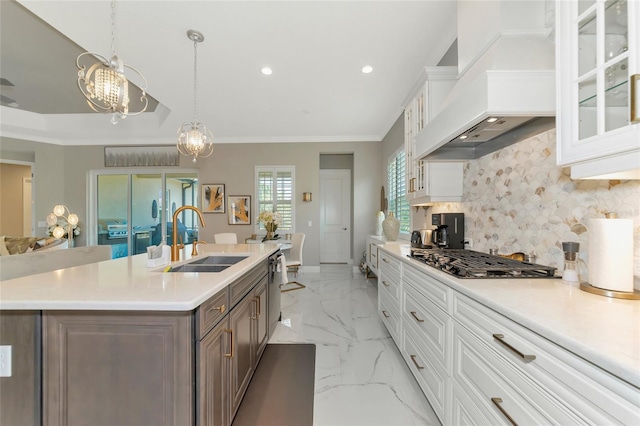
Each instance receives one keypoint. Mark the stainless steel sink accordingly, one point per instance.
(218, 260)
(189, 267)
(209, 264)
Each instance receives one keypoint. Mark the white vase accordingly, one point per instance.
(391, 227)
(379, 220)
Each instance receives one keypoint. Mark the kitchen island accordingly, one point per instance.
(116, 342)
(500, 350)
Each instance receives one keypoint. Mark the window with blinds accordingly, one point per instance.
(275, 189)
(398, 204)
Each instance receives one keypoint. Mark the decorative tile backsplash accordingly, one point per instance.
(517, 200)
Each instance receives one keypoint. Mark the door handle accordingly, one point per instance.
(498, 403)
(344, 229)
(525, 358)
(635, 108)
(413, 314)
(230, 354)
(413, 358)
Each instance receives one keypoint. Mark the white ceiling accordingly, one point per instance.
(315, 48)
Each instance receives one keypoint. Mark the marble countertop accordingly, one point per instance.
(128, 284)
(599, 329)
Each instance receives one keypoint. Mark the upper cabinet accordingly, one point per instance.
(429, 182)
(598, 81)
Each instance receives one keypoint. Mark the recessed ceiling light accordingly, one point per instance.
(492, 120)
(367, 69)
(266, 71)
(463, 136)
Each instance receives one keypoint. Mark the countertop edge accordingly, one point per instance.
(138, 299)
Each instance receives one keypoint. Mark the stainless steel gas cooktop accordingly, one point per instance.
(474, 264)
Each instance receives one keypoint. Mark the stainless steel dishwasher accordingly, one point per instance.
(274, 291)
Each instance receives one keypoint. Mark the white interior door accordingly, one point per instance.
(335, 216)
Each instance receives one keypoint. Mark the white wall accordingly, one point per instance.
(62, 175)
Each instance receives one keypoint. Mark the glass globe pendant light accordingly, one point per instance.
(71, 221)
(194, 138)
(104, 83)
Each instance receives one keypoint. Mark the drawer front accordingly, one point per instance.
(465, 412)
(373, 254)
(386, 262)
(500, 392)
(211, 312)
(595, 394)
(433, 380)
(431, 288)
(242, 286)
(390, 317)
(389, 283)
(432, 324)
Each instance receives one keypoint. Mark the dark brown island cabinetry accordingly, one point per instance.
(155, 368)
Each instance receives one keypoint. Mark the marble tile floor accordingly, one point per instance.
(360, 377)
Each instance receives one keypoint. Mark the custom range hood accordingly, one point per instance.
(506, 89)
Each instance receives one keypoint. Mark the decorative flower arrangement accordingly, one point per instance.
(62, 223)
(270, 221)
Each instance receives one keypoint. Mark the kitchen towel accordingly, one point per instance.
(611, 254)
(283, 270)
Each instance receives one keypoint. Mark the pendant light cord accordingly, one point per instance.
(195, 77)
(113, 28)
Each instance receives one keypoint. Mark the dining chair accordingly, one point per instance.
(225, 238)
(294, 259)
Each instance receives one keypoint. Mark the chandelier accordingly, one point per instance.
(104, 83)
(68, 223)
(194, 139)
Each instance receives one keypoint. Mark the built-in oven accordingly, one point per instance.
(275, 279)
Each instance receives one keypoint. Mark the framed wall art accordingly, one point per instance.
(213, 198)
(239, 209)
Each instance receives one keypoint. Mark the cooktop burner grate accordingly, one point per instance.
(474, 264)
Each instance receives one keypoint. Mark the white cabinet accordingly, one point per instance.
(437, 182)
(598, 72)
(477, 366)
(372, 254)
(426, 328)
(495, 357)
(428, 181)
(389, 287)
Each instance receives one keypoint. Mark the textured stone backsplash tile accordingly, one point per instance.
(517, 200)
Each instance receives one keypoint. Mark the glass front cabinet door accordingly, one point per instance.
(598, 72)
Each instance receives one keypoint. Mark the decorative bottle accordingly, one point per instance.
(379, 220)
(391, 227)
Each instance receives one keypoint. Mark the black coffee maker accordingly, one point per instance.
(449, 232)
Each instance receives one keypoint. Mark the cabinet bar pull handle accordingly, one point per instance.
(258, 305)
(386, 314)
(385, 283)
(384, 259)
(413, 358)
(525, 358)
(413, 314)
(230, 354)
(498, 403)
(635, 108)
(220, 308)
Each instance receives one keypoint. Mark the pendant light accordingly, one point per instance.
(195, 139)
(104, 83)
